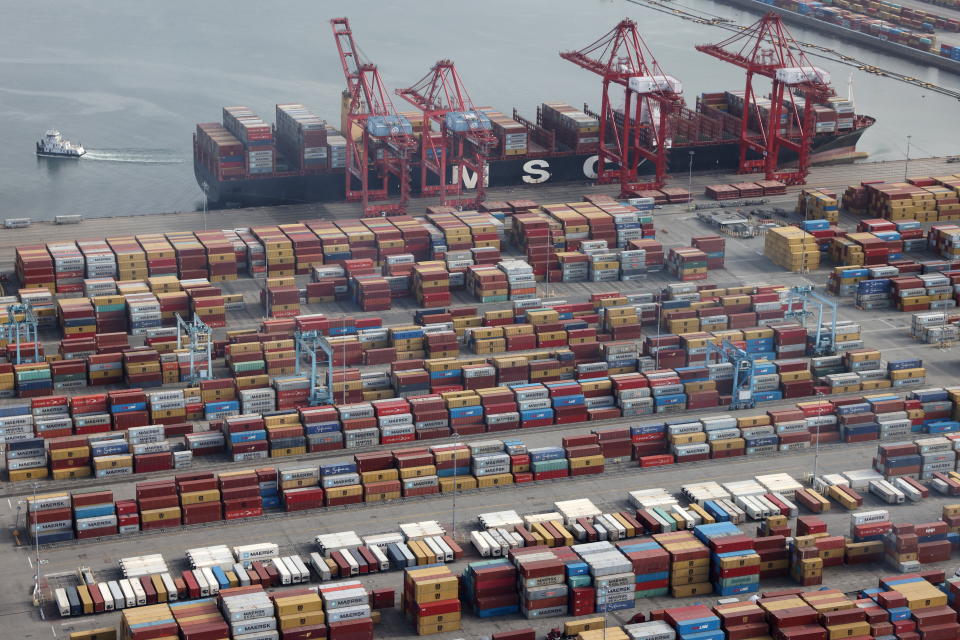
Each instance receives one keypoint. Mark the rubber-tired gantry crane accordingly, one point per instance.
(462, 140)
(767, 49)
(378, 138)
(623, 60)
(197, 337)
(21, 331)
(744, 370)
(311, 344)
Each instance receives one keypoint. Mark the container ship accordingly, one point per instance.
(246, 161)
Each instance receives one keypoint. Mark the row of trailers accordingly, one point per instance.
(96, 597)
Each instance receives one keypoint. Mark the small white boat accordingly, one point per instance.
(54, 146)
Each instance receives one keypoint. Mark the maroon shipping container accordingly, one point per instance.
(351, 630)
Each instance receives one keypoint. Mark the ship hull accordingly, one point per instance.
(562, 168)
(47, 154)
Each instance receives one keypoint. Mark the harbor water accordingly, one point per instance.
(131, 86)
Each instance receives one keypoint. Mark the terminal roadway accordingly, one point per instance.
(294, 533)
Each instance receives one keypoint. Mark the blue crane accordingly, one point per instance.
(21, 330)
(744, 369)
(309, 343)
(811, 303)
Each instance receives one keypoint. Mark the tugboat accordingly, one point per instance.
(54, 146)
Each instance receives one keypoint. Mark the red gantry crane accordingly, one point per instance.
(766, 49)
(386, 138)
(621, 57)
(462, 139)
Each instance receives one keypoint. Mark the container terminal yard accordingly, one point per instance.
(744, 263)
(704, 406)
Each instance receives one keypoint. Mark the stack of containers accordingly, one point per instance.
(143, 313)
(574, 266)
(490, 588)
(687, 263)
(281, 301)
(68, 267)
(520, 279)
(94, 514)
(241, 495)
(792, 248)
(694, 622)
(613, 577)
(154, 621)
(256, 136)
(650, 565)
(199, 618)
(248, 610)
(633, 264)
(713, 246)
(572, 127)
(199, 498)
(431, 600)
(33, 380)
(300, 616)
(542, 571)
(70, 458)
(100, 261)
(431, 285)
(735, 565)
(347, 610)
(815, 204)
(50, 518)
(337, 146)
(26, 459)
(689, 563)
(512, 134)
(246, 437)
(371, 292)
(34, 268)
(301, 137)
(158, 504)
(604, 266)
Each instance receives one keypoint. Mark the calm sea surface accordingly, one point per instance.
(130, 82)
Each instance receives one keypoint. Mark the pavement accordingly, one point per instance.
(745, 264)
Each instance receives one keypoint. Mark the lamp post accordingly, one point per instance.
(690, 177)
(816, 450)
(602, 593)
(453, 517)
(906, 162)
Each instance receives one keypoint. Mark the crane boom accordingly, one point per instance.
(622, 59)
(454, 134)
(377, 136)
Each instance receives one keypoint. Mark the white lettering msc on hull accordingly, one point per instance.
(590, 167)
(469, 177)
(537, 171)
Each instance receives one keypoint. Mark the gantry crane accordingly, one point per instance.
(622, 59)
(197, 337)
(309, 343)
(744, 369)
(803, 302)
(377, 136)
(21, 330)
(463, 137)
(767, 49)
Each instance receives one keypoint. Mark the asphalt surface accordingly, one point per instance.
(745, 264)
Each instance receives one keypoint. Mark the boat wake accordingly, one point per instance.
(135, 156)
